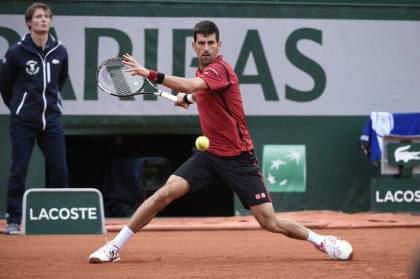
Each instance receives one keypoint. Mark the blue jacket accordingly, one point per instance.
(31, 80)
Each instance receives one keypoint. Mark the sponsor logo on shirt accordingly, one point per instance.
(55, 61)
(206, 71)
(260, 196)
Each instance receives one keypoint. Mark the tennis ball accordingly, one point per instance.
(202, 143)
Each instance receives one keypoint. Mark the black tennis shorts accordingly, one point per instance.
(241, 173)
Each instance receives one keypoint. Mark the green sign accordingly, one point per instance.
(63, 211)
(395, 195)
(284, 168)
(403, 153)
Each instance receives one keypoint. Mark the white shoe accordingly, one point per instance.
(11, 229)
(106, 254)
(336, 248)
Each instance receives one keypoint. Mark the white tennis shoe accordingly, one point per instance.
(336, 248)
(106, 254)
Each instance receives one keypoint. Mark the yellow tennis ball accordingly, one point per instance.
(202, 143)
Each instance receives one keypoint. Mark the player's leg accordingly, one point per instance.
(266, 217)
(22, 140)
(193, 172)
(243, 175)
(335, 248)
(174, 188)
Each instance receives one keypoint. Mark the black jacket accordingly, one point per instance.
(31, 80)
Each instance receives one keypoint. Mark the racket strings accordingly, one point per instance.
(116, 80)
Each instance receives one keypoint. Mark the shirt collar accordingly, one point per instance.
(219, 58)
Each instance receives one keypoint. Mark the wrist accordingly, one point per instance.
(188, 99)
(152, 75)
(156, 76)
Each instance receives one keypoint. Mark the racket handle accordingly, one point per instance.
(168, 96)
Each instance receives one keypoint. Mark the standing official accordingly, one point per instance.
(32, 75)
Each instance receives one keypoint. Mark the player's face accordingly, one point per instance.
(207, 48)
(40, 22)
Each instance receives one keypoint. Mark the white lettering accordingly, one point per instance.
(31, 215)
(74, 213)
(52, 210)
(389, 197)
(408, 193)
(398, 193)
(43, 214)
(398, 196)
(378, 198)
(82, 211)
(64, 211)
(92, 212)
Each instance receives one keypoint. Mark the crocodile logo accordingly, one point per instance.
(402, 154)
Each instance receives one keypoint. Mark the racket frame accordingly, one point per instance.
(158, 92)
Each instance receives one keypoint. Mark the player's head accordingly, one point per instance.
(206, 27)
(206, 42)
(38, 17)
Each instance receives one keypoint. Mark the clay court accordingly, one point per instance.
(385, 246)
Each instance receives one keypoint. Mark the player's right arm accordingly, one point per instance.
(180, 84)
(187, 85)
(7, 78)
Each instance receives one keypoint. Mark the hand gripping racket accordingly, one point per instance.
(112, 78)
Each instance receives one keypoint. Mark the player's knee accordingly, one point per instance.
(270, 223)
(170, 192)
(163, 195)
(269, 226)
(266, 222)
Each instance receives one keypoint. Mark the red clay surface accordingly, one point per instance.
(385, 247)
(311, 219)
(379, 253)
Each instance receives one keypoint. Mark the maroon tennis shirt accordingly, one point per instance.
(221, 110)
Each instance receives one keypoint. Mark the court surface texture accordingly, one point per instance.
(386, 246)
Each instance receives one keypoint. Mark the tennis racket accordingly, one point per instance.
(112, 78)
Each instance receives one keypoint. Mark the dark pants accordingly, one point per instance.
(52, 144)
(122, 187)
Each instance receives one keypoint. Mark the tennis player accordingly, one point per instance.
(33, 72)
(230, 157)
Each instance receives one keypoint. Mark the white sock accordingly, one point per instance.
(314, 238)
(122, 237)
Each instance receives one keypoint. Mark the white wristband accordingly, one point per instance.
(190, 98)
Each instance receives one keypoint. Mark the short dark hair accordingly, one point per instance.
(206, 27)
(31, 9)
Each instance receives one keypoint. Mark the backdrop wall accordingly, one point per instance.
(310, 74)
